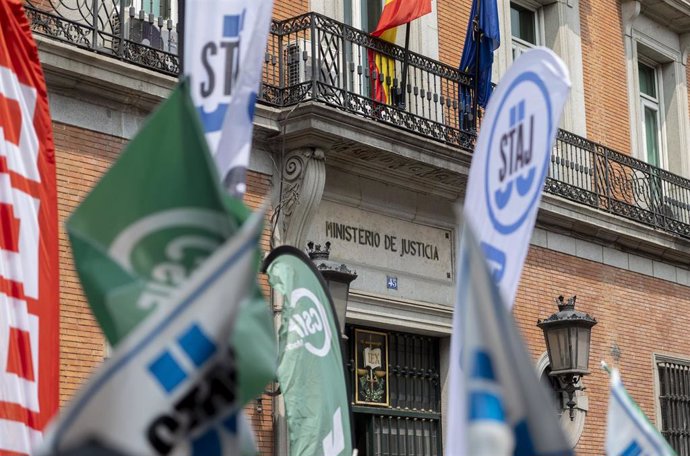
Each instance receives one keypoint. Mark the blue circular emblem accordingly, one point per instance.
(517, 160)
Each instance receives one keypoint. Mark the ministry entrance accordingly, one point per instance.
(395, 392)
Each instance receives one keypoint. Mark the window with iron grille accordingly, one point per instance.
(674, 402)
(408, 420)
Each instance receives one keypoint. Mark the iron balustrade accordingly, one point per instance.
(110, 27)
(315, 58)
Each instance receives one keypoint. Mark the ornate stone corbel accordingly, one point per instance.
(304, 177)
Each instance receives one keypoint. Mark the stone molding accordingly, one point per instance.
(303, 177)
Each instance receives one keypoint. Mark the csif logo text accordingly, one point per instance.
(309, 324)
(166, 247)
(518, 157)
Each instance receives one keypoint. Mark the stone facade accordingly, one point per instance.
(312, 161)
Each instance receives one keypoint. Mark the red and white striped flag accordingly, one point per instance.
(29, 343)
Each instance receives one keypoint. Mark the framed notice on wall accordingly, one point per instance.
(371, 368)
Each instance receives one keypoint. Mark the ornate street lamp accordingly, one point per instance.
(568, 335)
(337, 276)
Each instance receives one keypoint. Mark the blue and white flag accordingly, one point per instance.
(509, 167)
(478, 54)
(511, 161)
(505, 409)
(171, 387)
(224, 48)
(628, 431)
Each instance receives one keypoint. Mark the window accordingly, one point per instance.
(524, 28)
(408, 420)
(553, 24)
(650, 107)
(674, 402)
(658, 100)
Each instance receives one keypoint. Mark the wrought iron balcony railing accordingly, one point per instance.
(315, 58)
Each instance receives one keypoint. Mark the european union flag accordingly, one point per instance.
(478, 52)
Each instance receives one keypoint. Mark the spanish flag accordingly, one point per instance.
(395, 13)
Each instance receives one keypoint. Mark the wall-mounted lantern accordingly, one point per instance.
(568, 336)
(338, 277)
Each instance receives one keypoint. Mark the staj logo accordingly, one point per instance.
(221, 63)
(517, 161)
(309, 324)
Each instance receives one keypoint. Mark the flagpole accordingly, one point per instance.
(406, 63)
(180, 35)
(477, 37)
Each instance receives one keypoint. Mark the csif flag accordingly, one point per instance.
(381, 67)
(505, 409)
(310, 368)
(509, 167)
(29, 280)
(143, 234)
(628, 431)
(223, 58)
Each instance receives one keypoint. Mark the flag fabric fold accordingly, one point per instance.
(507, 410)
(29, 270)
(310, 369)
(478, 52)
(140, 237)
(223, 58)
(503, 193)
(399, 12)
(628, 431)
(171, 386)
(382, 67)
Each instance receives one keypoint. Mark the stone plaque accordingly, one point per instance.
(370, 239)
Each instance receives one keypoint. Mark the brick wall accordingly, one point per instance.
(453, 17)
(284, 9)
(603, 54)
(82, 157)
(605, 79)
(640, 314)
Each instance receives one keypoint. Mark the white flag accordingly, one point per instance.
(225, 43)
(628, 432)
(170, 387)
(507, 411)
(511, 161)
(504, 189)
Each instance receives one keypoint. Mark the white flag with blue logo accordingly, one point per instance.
(511, 161)
(628, 432)
(509, 167)
(171, 386)
(225, 43)
(506, 410)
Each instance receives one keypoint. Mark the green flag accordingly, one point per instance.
(151, 221)
(310, 369)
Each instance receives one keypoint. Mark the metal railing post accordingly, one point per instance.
(314, 67)
(94, 27)
(121, 16)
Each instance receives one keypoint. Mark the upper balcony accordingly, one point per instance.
(312, 58)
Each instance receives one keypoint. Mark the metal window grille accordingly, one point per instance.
(411, 424)
(674, 399)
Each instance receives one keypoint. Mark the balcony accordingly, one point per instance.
(312, 58)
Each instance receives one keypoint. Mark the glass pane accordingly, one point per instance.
(559, 347)
(647, 76)
(523, 23)
(583, 348)
(651, 131)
